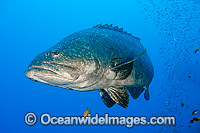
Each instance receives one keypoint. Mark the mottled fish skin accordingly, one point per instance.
(84, 61)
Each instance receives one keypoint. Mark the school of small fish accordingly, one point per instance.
(178, 24)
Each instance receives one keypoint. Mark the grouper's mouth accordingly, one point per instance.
(66, 74)
(52, 73)
(37, 73)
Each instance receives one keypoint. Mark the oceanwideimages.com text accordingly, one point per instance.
(128, 121)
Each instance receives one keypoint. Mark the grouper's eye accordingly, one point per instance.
(55, 53)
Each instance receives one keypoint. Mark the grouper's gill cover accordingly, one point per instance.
(103, 58)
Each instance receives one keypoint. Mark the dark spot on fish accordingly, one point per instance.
(189, 76)
(117, 58)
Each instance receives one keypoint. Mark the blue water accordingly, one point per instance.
(169, 29)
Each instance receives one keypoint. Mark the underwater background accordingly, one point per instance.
(169, 29)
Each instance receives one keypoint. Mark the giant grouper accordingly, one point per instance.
(103, 58)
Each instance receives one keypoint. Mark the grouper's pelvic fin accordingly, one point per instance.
(119, 95)
(107, 100)
(113, 95)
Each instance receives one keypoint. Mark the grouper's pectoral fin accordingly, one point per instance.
(119, 95)
(123, 67)
(107, 100)
(121, 72)
(125, 63)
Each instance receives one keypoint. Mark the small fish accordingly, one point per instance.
(189, 76)
(197, 50)
(182, 104)
(194, 112)
(86, 113)
(194, 120)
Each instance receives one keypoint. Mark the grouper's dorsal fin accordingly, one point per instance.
(115, 28)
